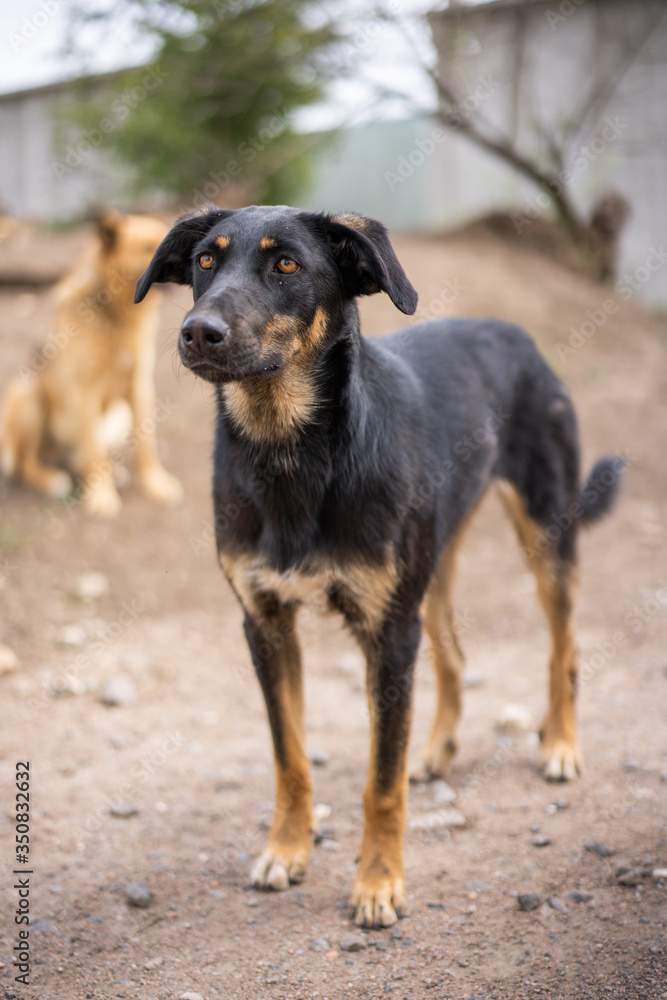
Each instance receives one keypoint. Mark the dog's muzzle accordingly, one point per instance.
(203, 337)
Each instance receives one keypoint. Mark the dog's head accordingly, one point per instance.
(271, 284)
(128, 242)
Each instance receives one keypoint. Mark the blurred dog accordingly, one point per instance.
(345, 473)
(92, 382)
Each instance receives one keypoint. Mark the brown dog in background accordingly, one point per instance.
(92, 383)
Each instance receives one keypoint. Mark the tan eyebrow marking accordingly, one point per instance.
(267, 243)
(222, 242)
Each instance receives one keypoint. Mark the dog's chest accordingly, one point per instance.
(361, 592)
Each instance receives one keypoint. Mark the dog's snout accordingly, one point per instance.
(203, 334)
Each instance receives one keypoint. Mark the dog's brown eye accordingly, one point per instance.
(287, 266)
(206, 261)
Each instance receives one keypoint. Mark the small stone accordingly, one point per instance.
(329, 845)
(630, 764)
(472, 680)
(90, 586)
(659, 873)
(319, 944)
(528, 901)
(580, 896)
(353, 942)
(535, 828)
(517, 718)
(138, 894)
(123, 809)
(321, 811)
(9, 661)
(381, 945)
(42, 924)
(631, 877)
(191, 996)
(663, 776)
(596, 847)
(319, 757)
(437, 820)
(443, 794)
(153, 963)
(556, 904)
(71, 635)
(437, 906)
(561, 803)
(118, 691)
(541, 841)
(397, 932)
(252, 900)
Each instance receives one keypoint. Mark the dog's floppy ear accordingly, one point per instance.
(366, 258)
(108, 226)
(172, 259)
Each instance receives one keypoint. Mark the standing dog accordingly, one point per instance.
(348, 466)
(93, 380)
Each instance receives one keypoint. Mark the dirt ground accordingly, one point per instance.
(192, 755)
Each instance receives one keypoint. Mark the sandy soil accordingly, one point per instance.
(192, 752)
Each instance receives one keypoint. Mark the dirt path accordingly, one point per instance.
(191, 753)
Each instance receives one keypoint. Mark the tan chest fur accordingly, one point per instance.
(365, 589)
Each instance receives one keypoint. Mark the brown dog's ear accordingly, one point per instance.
(172, 260)
(365, 258)
(108, 226)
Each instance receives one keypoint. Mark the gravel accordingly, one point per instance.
(138, 894)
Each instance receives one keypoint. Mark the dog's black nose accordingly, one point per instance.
(203, 334)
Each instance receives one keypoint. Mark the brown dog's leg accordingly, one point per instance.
(22, 431)
(557, 581)
(379, 891)
(277, 659)
(156, 482)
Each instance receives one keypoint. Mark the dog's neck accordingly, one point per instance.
(278, 409)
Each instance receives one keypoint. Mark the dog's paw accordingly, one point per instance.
(561, 761)
(379, 903)
(279, 865)
(434, 763)
(161, 486)
(60, 485)
(102, 502)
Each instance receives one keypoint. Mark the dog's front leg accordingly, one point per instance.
(277, 659)
(379, 891)
(156, 482)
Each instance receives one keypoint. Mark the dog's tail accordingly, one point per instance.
(598, 494)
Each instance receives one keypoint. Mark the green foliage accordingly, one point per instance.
(210, 114)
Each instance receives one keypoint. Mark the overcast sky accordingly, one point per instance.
(33, 35)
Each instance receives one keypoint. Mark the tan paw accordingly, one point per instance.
(279, 865)
(60, 485)
(379, 902)
(561, 761)
(161, 486)
(102, 502)
(434, 764)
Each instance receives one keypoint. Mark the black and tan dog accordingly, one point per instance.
(347, 468)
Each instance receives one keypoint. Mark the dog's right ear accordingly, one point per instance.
(172, 260)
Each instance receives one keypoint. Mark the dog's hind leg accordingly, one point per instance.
(553, 563)
(448, 663)
(277, 659)
(22, 431)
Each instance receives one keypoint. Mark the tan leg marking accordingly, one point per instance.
(379, 894)
(448, 662)
(557, 586)
(285, 857)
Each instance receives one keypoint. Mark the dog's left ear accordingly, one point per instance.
(172, 260)
(366, 258)
(108, 227)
